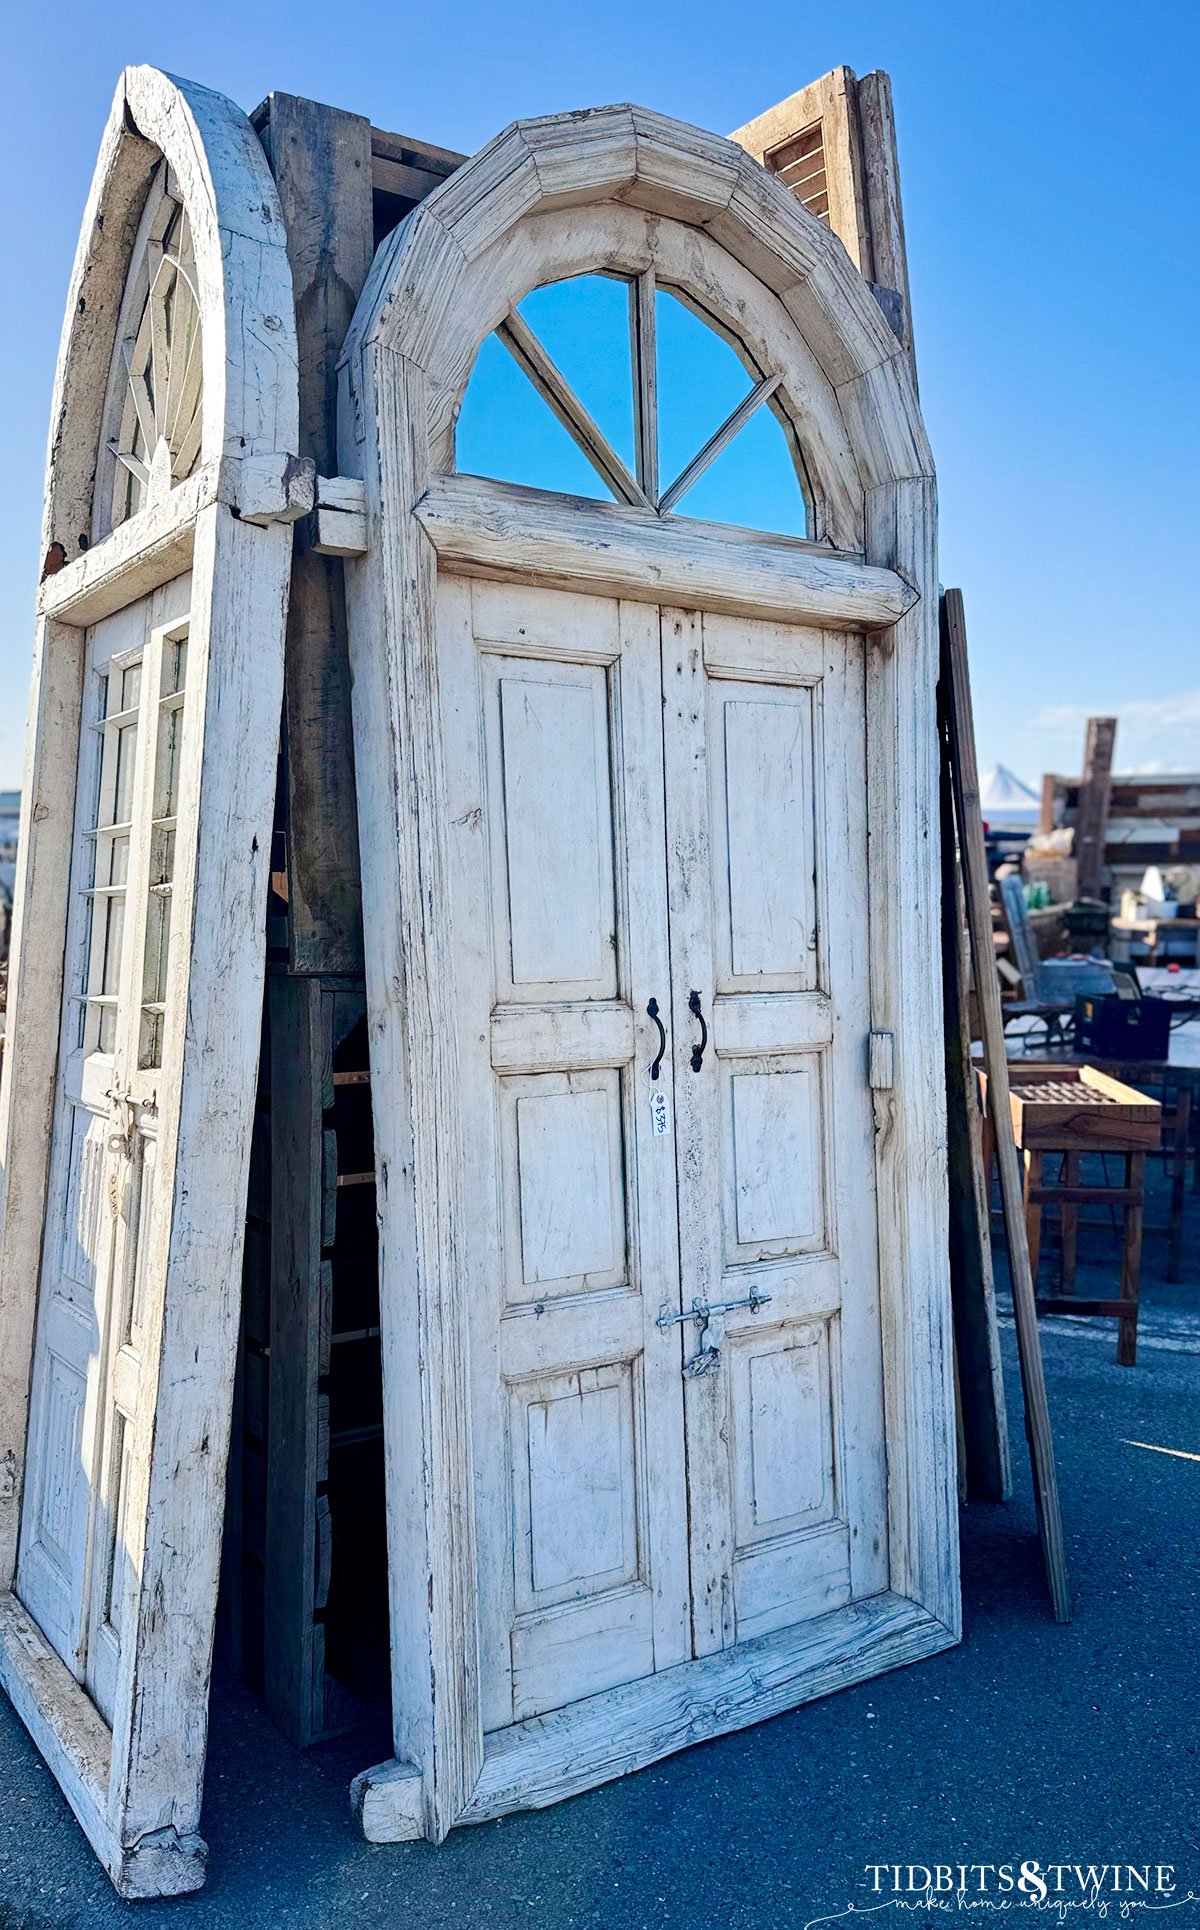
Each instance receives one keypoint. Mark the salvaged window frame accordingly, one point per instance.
(136, 1788)
(624, 190)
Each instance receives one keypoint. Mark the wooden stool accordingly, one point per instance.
(1076, 1110)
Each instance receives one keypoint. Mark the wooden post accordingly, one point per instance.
(983, 1424)
(1091, 821)
(321, 160)
(1073, 1175)
(965, 772)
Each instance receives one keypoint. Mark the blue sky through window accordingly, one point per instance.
(507, 430)
(752, 482)
(583, 325)
(700, 383)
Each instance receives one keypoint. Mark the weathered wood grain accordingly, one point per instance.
(500, 529)
(986, 1470)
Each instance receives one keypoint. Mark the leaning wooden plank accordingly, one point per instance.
(294, 1005)
(881, 183)
(965, 773)
(987, 1468)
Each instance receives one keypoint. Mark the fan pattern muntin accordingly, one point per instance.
(159, 363)
(639, 484)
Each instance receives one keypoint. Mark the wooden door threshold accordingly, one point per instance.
(554, 1756)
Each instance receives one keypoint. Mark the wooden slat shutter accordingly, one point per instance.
(834, 145)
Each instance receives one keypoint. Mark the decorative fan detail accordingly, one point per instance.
(161, 418)
(672, 384)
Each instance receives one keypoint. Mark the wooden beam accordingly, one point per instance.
(965, 781)
(500, 530)
(296, 1101)
(881, 188)
(321, 160)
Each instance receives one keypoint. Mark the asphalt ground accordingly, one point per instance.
(1029, 1742)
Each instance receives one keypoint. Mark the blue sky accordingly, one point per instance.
(1049, 162)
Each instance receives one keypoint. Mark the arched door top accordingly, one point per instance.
(625, 189)
(242, 286)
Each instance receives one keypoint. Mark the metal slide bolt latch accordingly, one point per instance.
(123, 1122)
(707, 1358)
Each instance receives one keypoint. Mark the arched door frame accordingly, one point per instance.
(136, 1789)
(621, 188)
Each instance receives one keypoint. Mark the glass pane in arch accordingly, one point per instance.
(583, 325)
(506, 430)
(752, 483)
(700, 383)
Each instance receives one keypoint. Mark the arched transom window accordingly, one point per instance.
(154, 418)
(618, 388)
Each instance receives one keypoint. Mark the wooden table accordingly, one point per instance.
(1075, 1110)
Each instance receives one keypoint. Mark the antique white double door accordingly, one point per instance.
(660, 947)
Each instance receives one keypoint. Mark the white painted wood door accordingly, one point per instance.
(554, 783)
(668, 810)
(73, 1572)
(764, 726)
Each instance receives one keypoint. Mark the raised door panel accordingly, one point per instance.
(767, 852)
(562, 1151)
(556, 829)
(765, 839)
(551, 706)
(775, 1156)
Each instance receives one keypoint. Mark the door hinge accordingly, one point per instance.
(339, 521)
(881, 1061)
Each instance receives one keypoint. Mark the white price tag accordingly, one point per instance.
(659, 1115)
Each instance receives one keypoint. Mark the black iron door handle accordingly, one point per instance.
(652, 1012)
(698, 1051)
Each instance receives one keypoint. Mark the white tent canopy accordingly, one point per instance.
(1006, 801)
